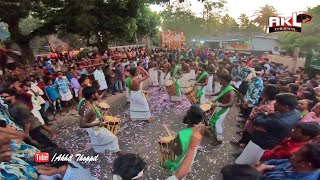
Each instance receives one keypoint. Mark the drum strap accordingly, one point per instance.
(200, 92)
(175, 71)
(217, 115)
(184, 138)
(96, 110)
(128, 82)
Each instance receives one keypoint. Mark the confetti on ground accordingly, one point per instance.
(141, 138)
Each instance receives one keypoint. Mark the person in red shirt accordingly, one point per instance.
(301, 134)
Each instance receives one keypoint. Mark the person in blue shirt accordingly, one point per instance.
(52, 93)
(304, 164)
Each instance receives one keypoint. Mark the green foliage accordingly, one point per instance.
(308, 38)
(182, 20)
(263, 14)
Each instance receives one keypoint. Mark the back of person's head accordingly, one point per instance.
(310, 129)
(287, 99)
(195, 114)
(128, 166)
(311, 155)
(271, 91)
(133, 71)
(82, 79)
(226, 77)
(294, 88)
(88, 92)
(239, 172)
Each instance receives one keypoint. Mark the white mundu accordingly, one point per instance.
(153, 72)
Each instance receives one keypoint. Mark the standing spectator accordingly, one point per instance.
(270, 129)
(119, 76)
(82, 71)
(52, 93)
(75, 84)
(42, 86)
(64, 90)
(253, 94)
(99, 76)
(111, 78)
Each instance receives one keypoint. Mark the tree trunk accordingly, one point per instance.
(102, 42)
(22, 41)
(26, 53)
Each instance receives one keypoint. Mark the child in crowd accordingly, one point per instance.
(53, 97)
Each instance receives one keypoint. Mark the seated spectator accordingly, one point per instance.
(23, 117)
(16, 157)
(304, 107)
(300, 135)
(313, 116)
(303, 164)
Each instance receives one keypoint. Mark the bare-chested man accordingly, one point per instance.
(222, 70)
(211, 70)
(185, 79)
(193, 70)
(202, 81)
(165, 68)
(224, 101)
(153, 72)
(175, 72)
(139, 107)
(102, 139)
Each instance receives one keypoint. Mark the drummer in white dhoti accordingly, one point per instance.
(202, 81)
(175, 72)
(211, 71)
(99, 76)
(185, 78)
(101, 138)
(153, 71)
(222, 105)
(139, 107)
(193, 70)
(165, 68)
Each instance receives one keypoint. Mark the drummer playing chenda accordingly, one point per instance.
(202, 81)
(225, 100)
(175, 73)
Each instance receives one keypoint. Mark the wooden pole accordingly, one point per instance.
(167, 129)
(295, 58)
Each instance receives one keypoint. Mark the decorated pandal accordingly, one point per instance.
(172, 40)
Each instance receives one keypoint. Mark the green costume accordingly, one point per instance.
(128, 82)
(184, 138)
(223, 109)
(200, 91)
(96, 110)
(175, 71)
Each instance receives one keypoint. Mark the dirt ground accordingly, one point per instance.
(141, 138)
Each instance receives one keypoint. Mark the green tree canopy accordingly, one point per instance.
(308, 38)
(262, 16)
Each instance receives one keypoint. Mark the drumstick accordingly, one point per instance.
(167, 129)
